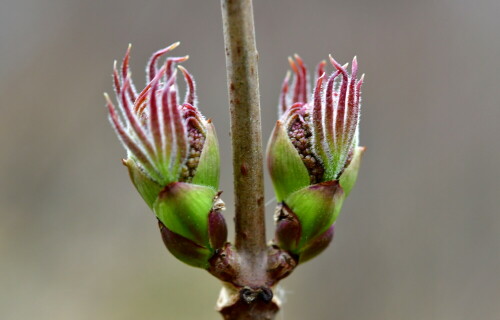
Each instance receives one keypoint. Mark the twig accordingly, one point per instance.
(249, 296)
(243, 86)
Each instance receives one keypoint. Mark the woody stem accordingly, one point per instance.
(244, 103)
(254, 300)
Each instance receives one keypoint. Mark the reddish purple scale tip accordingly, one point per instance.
(164, 137)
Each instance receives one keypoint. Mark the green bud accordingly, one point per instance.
(313, 156)
(172, 157)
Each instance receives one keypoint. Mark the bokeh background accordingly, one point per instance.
(419, 238)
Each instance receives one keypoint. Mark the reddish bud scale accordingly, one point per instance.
(217, 229)
(317, 245)
(184, 249)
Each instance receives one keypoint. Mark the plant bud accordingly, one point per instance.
(172, 157)
(313, 155)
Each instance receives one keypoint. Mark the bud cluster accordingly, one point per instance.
(173, 157)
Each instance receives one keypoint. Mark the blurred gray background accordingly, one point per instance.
(419, 238)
